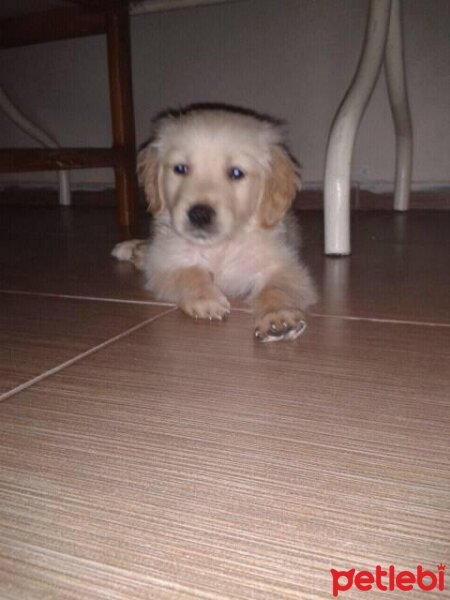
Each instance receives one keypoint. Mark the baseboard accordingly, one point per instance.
(363, 199)
(48, 196)
(308, 199)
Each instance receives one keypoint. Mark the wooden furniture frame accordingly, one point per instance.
(87, 18)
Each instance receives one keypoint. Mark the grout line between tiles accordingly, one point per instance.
(381, 320)
(82, 355)
(90, 298)
(365, 319)
(238, 309)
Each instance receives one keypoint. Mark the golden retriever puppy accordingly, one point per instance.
(220, 183)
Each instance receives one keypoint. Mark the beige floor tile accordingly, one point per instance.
(188, 461)
(385, 281)
(398, 269)
(40, 333)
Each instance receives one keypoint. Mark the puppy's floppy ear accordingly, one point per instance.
(281, 184)
(148, 175)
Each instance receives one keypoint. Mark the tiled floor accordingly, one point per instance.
(145, 456)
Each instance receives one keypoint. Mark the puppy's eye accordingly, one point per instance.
(180, 169)
(235, 173)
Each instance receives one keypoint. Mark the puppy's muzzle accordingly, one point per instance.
(201, 216)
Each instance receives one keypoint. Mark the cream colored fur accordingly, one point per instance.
(251, 247)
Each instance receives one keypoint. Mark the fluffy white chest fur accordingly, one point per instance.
(240, 266)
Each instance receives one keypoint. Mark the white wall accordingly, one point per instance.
(291, 58)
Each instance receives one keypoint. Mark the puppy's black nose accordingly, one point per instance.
(201, 215)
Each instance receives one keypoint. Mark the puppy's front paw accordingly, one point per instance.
(206, 303)
(133, 251)
(283, 324)
(125, 250)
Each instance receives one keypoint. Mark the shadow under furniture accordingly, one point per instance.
(112, 20)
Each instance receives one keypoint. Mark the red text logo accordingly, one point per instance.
(388, 580)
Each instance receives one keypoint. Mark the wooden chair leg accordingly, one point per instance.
(126, 195)
(122, 113)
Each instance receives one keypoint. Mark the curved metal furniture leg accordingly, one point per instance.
(345, 126)
(394, 65)
(40, 136)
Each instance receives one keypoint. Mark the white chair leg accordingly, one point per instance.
(345, 126)
(394, 65)
(65, 196)
(40, 136)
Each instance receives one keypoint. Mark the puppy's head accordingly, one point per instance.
(217, 172)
